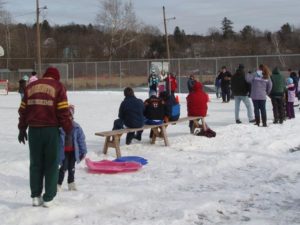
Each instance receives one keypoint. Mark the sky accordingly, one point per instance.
(193, 16)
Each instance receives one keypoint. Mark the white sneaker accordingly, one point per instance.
(37, 201)
(58, 188)
(48, 204)
(72, 187)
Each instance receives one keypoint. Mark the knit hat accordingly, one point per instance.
(25, 77)
(276, 71)
(197, 86)
(52, 72)
(289, 81)
(241, 66)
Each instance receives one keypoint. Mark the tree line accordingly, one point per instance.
(118, 35)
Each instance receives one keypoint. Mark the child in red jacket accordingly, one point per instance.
(197, 106)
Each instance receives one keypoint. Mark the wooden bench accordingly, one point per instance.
(112, 137)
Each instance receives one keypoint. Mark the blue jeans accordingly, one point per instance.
(218, 91)
(246, 101)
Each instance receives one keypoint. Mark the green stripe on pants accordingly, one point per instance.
(44, 152)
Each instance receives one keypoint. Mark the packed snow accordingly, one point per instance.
(245, 175)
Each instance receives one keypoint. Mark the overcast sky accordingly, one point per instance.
(193, 16)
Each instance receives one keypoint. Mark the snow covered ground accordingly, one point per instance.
(246, 175)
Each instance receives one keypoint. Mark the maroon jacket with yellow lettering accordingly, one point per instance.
(45, 104)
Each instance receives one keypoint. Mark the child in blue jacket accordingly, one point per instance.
(72, 149)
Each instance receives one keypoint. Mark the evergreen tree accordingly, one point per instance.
(227, 28)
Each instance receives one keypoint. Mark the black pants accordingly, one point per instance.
(68, 164)
(225, 94)
(278, 110)
(260, 108)
(118, 124)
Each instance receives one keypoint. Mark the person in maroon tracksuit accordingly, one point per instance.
(44, 108)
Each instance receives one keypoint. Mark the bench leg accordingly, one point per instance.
(117, 145)
(204, 124)
(164, 135)
(195, 125)
(105, 147)
(155, 134)
(114, 142)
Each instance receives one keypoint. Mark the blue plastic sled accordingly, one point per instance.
(137, 159)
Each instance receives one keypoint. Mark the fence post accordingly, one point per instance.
(179, 73)
(216, 72)
(73, 76)
(96, 76)
(256, 62)
(120, 72)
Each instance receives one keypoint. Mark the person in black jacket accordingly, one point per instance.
(225, 77)
(240, 89)
(190, 83)
(172, 106)
(156, 110)
(131, 115)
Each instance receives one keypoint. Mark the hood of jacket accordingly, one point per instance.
(197, 87)
(275, 71)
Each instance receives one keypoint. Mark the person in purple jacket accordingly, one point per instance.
(291, 96)
(72, 149)
(261, 86)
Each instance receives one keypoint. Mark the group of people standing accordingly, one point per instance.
(258, 86)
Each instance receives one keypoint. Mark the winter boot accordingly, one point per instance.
(257, 121)
(264, 121)
(37, 201)
(72, 187)
(129, 138)
(48, 204)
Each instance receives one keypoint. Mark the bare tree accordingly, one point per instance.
(275, 41)
(5, 21)
(119, 22)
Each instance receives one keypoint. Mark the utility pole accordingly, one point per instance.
(166, 34)
(38, 40)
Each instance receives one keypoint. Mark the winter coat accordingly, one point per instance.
(78, 143)
(22, 86)
(278, 84)
(291, 94)
(155, 108)
(260, 87)
(225, 79)
(190, 84)
(131, 112)
(172, 106)
(171, 80)
(217, 82)
(197, 101)
(32, 78)
(239, 85)
(153, 79)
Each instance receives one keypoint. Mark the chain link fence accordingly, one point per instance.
(115, 75)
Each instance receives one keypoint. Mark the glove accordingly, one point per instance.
(81, 157)
(22, 136)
